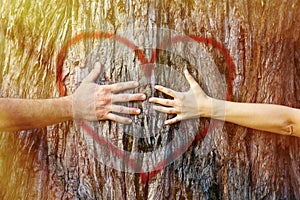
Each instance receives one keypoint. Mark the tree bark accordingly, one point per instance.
(230, 162)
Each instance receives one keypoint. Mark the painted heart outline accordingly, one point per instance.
(147, 66)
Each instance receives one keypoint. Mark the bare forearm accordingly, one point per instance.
(195, 103)
(267, 117)
(21, 114)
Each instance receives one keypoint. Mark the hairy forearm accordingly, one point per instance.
(267, 117)
(21, 114)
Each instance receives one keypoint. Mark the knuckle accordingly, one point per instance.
(178, 104)
(107, 90)
(130, 97)
(126, 98)
(107, 99)
(100, 115)
(168, 102)
(121, 86)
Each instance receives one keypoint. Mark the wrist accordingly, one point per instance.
(205, 106)
(216, 109)
(68, 106)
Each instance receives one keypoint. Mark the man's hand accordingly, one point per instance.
(186, 105)
(96, 102)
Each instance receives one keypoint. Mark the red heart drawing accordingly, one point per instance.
(147, 67)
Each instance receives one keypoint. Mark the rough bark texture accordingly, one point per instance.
(60, 161)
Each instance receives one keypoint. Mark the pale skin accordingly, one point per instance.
(195, 103)
(22, 114)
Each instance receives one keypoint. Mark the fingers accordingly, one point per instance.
(118, 87)
(165, 109)
(124, 110)
(169, 111)
(190, 79)
(165, 90)
(128, 97)
(173, 120)
(164, 102)
(117, 118)
(94, 74)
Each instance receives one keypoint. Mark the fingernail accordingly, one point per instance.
(151, 99)
(129, 121)
(136, 84)
(156, 87)
(138, 111)
(143, 96)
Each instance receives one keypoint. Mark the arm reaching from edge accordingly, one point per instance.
(21, 114)
(195, 103)
(89, 102)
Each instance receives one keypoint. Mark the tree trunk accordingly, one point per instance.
(246, 51)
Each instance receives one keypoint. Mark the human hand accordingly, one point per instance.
(96, 102)
(187, 105)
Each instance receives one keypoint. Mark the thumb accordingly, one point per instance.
(194, 86)
(190, 79)
(94, 74)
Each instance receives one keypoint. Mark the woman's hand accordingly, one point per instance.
(187, 105)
